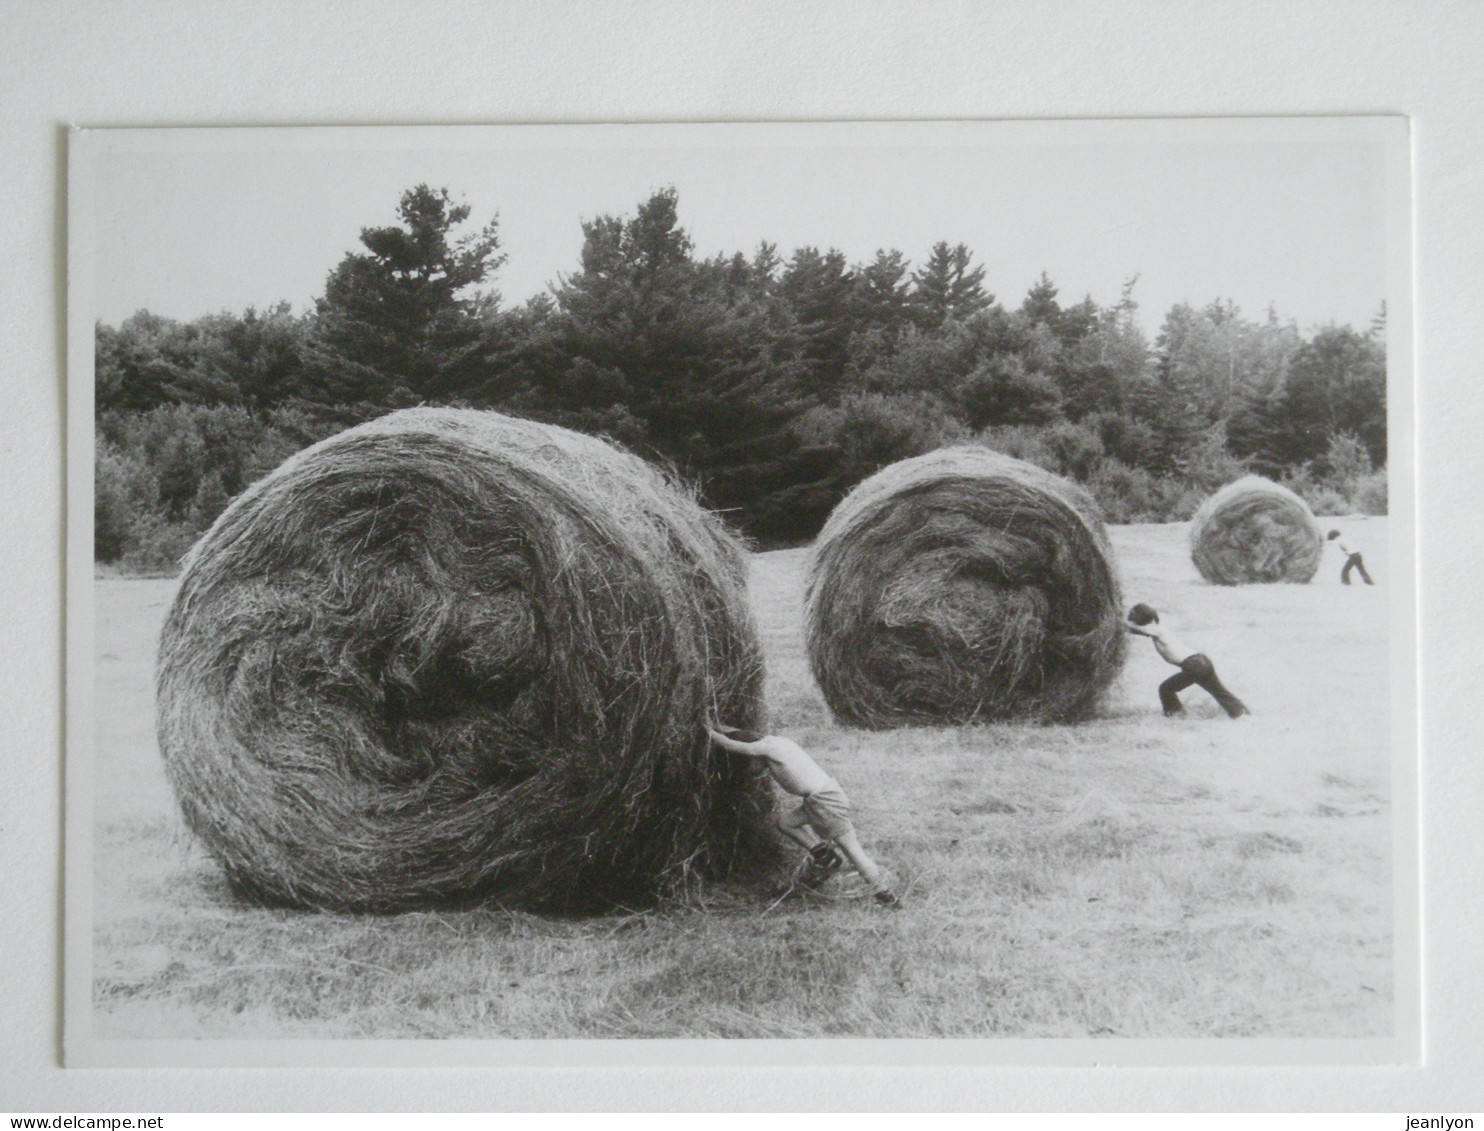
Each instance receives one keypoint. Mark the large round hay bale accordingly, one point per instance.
(449, 655)
(963, 586)
(1253, 530)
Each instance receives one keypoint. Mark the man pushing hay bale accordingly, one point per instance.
(1253, 530)
(963, 586)
(449, 655)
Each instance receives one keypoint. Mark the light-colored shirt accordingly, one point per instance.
(788, 762)
(1171, 648)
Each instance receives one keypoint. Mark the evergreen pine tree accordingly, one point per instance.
(404, 321)
(705, 374)
(821, 290)
(1040, 304)
(946, 287)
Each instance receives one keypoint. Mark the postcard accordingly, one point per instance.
(751, 593)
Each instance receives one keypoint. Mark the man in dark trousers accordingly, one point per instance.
(1195, 667)
(1353, 561)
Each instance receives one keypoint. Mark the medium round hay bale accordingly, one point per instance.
(449, 655)
(963, 586)
(1253, 530)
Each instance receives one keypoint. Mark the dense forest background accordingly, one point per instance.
(771, 383)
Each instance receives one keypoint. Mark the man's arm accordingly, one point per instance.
(736, 746)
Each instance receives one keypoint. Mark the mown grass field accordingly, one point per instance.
(1133, 876)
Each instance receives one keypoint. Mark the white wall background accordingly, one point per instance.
(155, 62)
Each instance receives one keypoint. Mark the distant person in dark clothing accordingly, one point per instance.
(1195, 667)
(1353, 561)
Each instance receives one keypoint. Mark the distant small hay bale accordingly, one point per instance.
(1253, 530)
(450, 655)
(963, 586)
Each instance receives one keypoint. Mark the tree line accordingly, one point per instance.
(772, 383)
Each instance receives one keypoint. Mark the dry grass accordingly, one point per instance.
(450, 655)
(1130, 876)
(1255, 531)
(963, 586)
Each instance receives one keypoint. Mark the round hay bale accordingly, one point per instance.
(449, 655)
(963, 586)
(1253, 530)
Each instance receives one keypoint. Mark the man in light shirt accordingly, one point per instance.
(822, 819)
(1353, 561)
(1195, 667)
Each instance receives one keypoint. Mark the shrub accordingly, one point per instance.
(1370, 493)
(1322, 498)
(1131, 494)
(1078, 449)
(1345, 462)
(1004, 390)
(162, 476)
(1022, 442)
(871, 430)
(1132, 441)
(1208, 464)
(157, 547)
(1345, 472)
(115, 510)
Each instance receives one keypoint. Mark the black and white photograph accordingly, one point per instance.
(937, 591)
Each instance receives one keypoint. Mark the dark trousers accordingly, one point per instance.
(1354, 562)
(1199, 670)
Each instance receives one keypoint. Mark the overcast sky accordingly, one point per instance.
(1283, 212)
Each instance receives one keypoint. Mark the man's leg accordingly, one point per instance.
(1169, 692)
(794, 824)
(1229, 702)
(1345, 571)
(1200, 668)
(829, 814)
(1360, 566)
(850, 845)
(824, 861)
(870, 871)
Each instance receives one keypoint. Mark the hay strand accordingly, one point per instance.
(1255, 531)
(963, 586)
(450, 655)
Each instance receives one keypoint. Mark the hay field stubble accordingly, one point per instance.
(1132, 876)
